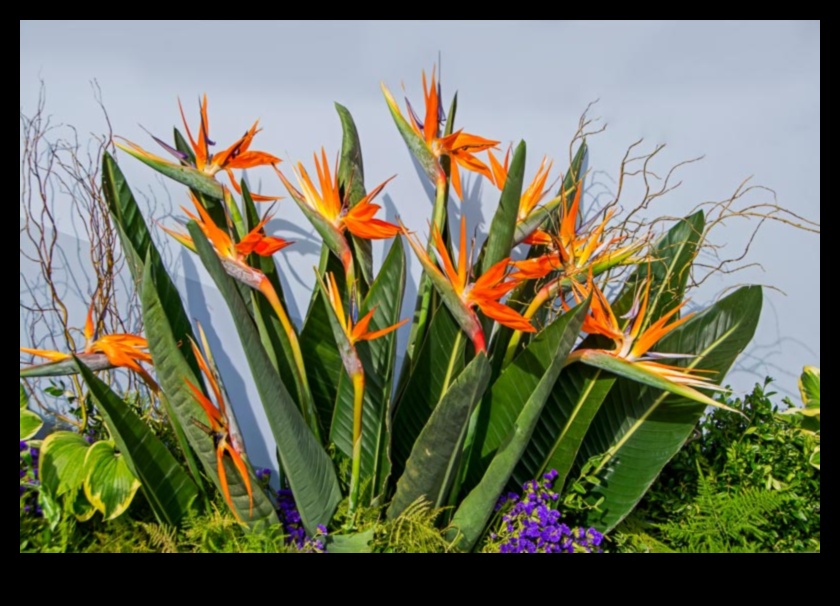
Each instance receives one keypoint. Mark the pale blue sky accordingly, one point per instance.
(744, 94)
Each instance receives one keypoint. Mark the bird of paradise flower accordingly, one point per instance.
(198, 171)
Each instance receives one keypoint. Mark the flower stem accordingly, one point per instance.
(356, 469)
(306, 402)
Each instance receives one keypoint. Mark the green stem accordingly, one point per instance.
(307, 404)
(356, 470)
(438, 221)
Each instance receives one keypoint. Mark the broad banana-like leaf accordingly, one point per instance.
(109, 484)
(500, 237)
(639, 428)
(518, 383)
(137, 245)
(439, 361)
(377, 357)
(168, 488)
(173, 371)
(668, 270)
(575, 400)
(319, 349)
(306, 464)
(477, 508)
(351, 182)
(433, 464)
(273, 336)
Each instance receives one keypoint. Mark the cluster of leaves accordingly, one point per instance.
(743, 483)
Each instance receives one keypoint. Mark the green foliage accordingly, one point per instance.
(747, 465)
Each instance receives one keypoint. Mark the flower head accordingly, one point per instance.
(233, 255)
(238, 155)
(355, 331)
(631, 355)
(357, 219)
(459, 146)
(484, 292)
(533, 194)
(226, 440)
(574, 248)
(107, 351)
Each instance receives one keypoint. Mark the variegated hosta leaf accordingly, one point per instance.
(109, 484)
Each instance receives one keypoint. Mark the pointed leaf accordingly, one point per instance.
(172, 372)
(640, 428)
(434, 461)
(439, 361)
(509, 393)
(416, 144)
(137, 244)
(575, 400)
(476, 509)
(319, 349)
(351, 181)
(500, 237)
(24, 399)
(669, 269)
(378, 358)
(169, 490)
(306, 464)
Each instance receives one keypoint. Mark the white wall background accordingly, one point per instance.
(744, 94)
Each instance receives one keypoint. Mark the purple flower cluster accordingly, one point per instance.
(29, 459)
(293, 526)
(531, 525)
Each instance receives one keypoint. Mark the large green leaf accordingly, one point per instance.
(518, 383)
(477, 508)
(109, 484)
(416, 144)
(640, 428)
(173, 372)
(319, 349)
(377, 356)
(500, 237)
(434, 461)
(139, 250)
(24, 399)
(273, 336)
(167, 487)
(306, 464)
(576, 398)
(62, 473)
(438, 362)
(30, 424)
(668, 270)
(351, 182)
